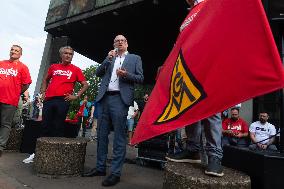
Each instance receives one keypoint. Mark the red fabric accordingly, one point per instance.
(81, 110)
(72, 121)
(63, 79)
(238, 126)
(12, 76)
(225, 55)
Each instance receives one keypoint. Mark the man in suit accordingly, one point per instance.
(119, 72)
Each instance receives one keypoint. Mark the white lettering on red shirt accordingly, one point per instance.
(13, 75)
(9, 72)
(67, 73)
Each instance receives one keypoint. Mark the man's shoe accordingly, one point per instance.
(30, 159)
(1, 153)
(185, 157)
(93, 173)
(214, 167)
(111, 180)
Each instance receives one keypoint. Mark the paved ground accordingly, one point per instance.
(16, 175)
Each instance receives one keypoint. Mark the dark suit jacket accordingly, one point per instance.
(133, 65)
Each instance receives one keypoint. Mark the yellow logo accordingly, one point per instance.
(185, 92)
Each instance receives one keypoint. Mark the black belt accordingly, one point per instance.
(112, 92)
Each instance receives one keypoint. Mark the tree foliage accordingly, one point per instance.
(92, 90)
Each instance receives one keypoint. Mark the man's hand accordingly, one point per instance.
(121, 72)
(264, 146)
(229, 132)
(111, 54)
(238, 135)
(69, 97)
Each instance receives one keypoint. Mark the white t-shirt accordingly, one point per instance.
(132, 110)
(262, 131)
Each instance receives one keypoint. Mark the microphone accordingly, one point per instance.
(116, 51)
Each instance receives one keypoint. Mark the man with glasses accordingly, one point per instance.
(119, 72)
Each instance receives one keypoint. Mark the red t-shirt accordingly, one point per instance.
(62, 79)
(12, 76)
(238, 126)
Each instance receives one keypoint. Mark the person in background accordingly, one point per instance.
(141, 104)
(26, 107)
(132, 114)
(262, 134)
(93, 118)
(235, 130)
(85, 104)
(18, 118)
(15, 79)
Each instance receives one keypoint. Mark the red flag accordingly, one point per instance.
(224, 55)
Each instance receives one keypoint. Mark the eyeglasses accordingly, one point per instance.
(120, 40)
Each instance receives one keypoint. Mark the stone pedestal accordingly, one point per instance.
(191, 176)
(60, 157)
(15, 140)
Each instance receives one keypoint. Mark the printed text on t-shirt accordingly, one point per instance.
(8, 72)
(63, 73)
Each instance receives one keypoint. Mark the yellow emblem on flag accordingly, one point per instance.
(185, 92)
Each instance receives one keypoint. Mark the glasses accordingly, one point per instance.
(120, 40)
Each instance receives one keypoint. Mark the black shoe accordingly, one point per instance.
(185, 156)
(93, 173)
(111, 180)
(1, 153)
(214, 167)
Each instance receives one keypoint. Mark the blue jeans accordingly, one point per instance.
(234, 141)
(53, 117)
(7, 113)
(130, 124)
(270, 147)
(112, 112)
(213, 135)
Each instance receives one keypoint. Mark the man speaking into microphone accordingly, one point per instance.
(119, 72)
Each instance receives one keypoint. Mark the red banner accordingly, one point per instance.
(224, 55)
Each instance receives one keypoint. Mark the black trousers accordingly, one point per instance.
(53, 116)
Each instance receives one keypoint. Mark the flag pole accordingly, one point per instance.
(281, 138)
(281, 128)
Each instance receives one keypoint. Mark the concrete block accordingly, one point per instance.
(60, 157)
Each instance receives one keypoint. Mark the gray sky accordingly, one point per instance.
(22, 23)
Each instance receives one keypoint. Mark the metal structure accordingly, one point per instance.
(151, 27)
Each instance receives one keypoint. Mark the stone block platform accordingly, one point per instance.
(15, 140)
(191, 176)
(60, 157)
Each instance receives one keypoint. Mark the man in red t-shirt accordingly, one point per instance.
(14, 79)
(235, 130)
(57, 88)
